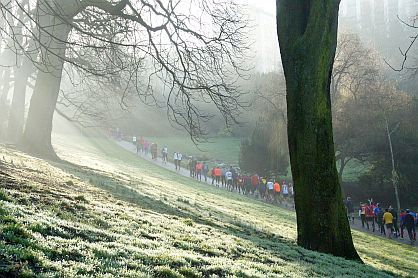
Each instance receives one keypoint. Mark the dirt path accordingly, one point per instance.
(184, 172)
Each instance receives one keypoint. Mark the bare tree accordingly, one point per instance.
(355, 71)
(193, 48)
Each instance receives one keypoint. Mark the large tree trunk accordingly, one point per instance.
(37, 135)
(307, 31)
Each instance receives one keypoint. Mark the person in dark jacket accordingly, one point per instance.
(395, 221)
(409, 223)
(380, 222)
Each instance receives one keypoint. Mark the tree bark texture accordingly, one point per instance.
(307, 31)
(37, 135)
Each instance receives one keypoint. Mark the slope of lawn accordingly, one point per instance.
(110, 214)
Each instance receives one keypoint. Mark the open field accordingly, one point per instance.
(109, 213)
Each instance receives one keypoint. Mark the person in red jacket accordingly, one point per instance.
(199, 167)
(255, 183)
(370, 216)
(218, 175)
(213, 175)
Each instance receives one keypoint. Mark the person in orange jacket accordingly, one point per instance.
(276, 188)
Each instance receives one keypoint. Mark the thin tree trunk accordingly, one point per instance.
(307, 33)
(21, 76)
(4, 93)
(394, 173)
(17, 109)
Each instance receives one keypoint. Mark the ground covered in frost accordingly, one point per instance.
(104, 212)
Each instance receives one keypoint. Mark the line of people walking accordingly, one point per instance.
(265, 188)
(371, 215)
(385, 221)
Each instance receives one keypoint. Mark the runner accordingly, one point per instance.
(363, 214)
(199, 167)
(415, 224)
(213, 175)
(276, 187)
(388, 221)
(240, 184)
(234, 178)
(139, 146)
(263, 187)
(228, 177)
(146, 147)
(154, 149)
(402, 221)
(394, 213)
(381, 222)
(179, 158)
(409, 223)
(255, 181)
(370, 216)
(247, 184)
(218, 175)
(285, 190)
(164, 152)
(205, 171)
(270, 193)
(376, 213)
(175, 158)
(223, 171)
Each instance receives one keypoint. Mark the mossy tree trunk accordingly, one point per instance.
(307, 31)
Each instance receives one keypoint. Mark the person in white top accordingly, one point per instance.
(175, 158)
(179, 157)
(165, 154)
(270, 194)
(228, 177)
(285, 189)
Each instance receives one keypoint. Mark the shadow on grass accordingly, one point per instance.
(118, 189)
(281, 247)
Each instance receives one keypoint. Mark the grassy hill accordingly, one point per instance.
(108, 213)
